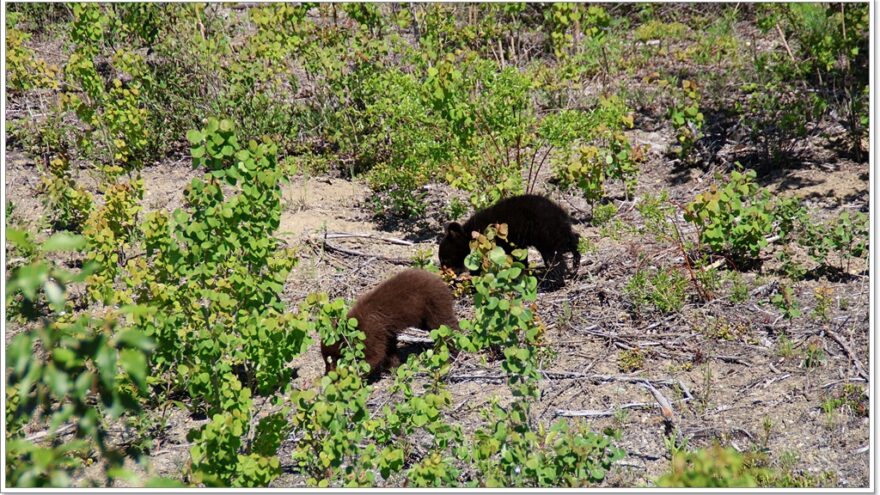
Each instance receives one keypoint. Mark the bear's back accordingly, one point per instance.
(402, 300)
(531, 220)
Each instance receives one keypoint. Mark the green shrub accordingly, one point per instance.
(89, 369)
(710, 468)
(212, 280)
(735, 218)
(687, 120)
(664, 289)
(508, 451)
(24, 71)
(68, 204)
(610, 155)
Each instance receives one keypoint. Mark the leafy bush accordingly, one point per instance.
(609, 156)
(24, 71)
(665, 290)
(67, 372)
(710, 468)
(342, 443)
(735, 218)
(68, 204)
(213, 285)
(845, 236)
(511, 452)
(832, 45)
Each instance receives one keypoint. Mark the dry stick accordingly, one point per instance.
(396, 261)
(566, 375)
(45, 433)
(845, 380)
(463, 378)
(592, 413)
(412, 339)
(344, 235)
(167, 450)
(849, 352)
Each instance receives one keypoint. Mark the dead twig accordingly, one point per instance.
(593, 413)
(345, 235)
(412, 339)
(45, 433)
(859, 368)
(464, 378)
(352, 252)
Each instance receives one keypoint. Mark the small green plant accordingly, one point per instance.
(68, 204)
(784, 347)
(706, 393)
(845, 236)
(456, 209)
(585, 245)
(424, 259)
(602, 214)
(630, 360)
(767, 429)
(687, 120)
(814, 354)
(789, 266)
(824, 297)
(739, 288)
(722, 328)
(785, 300)
(664, 289)
(24, 71)
(784, 474)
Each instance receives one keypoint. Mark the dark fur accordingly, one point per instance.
(531, 221)
(412, 298)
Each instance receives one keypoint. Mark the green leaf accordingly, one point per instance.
(194, 136)
(135, 364)
(63, 241)
(498, 256)
(55, 294)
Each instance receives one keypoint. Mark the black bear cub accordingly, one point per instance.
(531, 220)
(412, 298)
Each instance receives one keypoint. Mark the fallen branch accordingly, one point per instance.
(592, 413)
(849, 352)
(565, 375)
(346, 235)
(167, 450)
(412, 339)
(45, 433)
(464, 378)
(352, 252)
(845, 380)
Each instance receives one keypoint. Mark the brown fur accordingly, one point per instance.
(412, 298)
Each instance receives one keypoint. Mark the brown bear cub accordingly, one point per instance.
(531, 220)
(412, 298)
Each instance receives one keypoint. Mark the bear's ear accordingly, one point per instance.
(454, 229)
